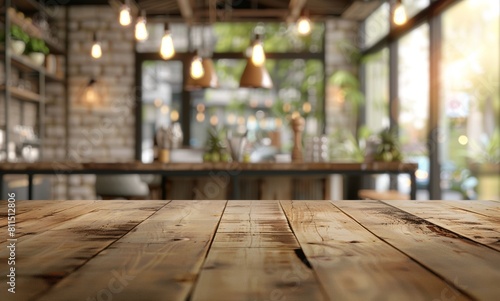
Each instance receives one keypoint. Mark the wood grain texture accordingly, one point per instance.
(64, 167)
(255, 250)
(163, 254)
(52, 255)
(352, 263)
(471, 267)
(251, 268)
(477, 227)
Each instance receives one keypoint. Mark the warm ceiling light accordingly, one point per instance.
(209, 78)
(96, 51)
(399, 17)
(196, 70)
(167, 50)
(90, 95)
(125, 17)
(141, 32)
(304, 25)
(255, 74)
(258, 55)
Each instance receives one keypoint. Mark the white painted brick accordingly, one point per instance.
(75, 180)
(88, 179)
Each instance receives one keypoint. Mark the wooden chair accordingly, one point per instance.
(128, 187)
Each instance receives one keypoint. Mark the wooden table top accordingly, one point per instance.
(61, 167)
(253, 250)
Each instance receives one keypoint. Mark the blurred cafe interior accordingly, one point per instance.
(250, 99)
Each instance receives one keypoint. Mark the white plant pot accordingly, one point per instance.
(17, 47)
(37, 58)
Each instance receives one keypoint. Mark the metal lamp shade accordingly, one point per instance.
(208, 80)
(255, 76)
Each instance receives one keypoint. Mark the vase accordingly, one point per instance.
(37, 58)
(17, 47)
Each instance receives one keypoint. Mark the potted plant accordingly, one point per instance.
(37, 50)
(486, 165)
(19, 38)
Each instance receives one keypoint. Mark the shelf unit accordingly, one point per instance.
(24, 65)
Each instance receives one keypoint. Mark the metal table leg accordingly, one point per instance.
(30, 186)
(413, 190)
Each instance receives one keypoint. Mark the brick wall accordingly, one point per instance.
(97, 134)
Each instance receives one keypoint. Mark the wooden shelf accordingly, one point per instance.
(24, 64)
(22, 94)
(34, 31)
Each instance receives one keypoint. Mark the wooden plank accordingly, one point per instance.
(240, 266)
(255, 274)
(144, 266)
(488, 208)
(352, 263)
(477, 227)
(472, 267)
(253, 217)
(54, 254)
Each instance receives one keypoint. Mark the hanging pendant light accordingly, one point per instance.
(196, 70)
(304, 24)
(255, 74)
(91, 95)
(167, 50)
(96, 51)
(399, 17)
(258, 55)
(141, 32)
(125, 16)
(209, 78)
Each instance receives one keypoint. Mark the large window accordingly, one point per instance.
(468, 138)
(294, 62)
(377, 91)
(470, 103)
(413, 87)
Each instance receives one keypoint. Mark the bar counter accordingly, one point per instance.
(233, 170)
(252, 250)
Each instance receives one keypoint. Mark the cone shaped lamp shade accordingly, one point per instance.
(255, 76)
(208, 80)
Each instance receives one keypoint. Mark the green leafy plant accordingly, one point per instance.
(17, 33)
(37, 45)
(388, 150)
(215, 146)
(488, 150)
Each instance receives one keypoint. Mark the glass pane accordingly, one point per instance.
(413, 7)
(278, 37)
(161, 100)
(377, 91)
(413, 84)
(376, 25)
(470, 107)
(298, 85)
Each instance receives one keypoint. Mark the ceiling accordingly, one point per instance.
(203, 11)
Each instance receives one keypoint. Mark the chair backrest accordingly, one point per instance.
(126, 186)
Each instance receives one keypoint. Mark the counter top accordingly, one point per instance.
(253, 250)
(156, 166)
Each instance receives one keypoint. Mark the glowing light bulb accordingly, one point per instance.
(125, 17)
(258, 56)
(141, 32)
(167, 50)
(96, 51)
(196, 69)
(304, 26)
(399, 14)
(90, 94)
